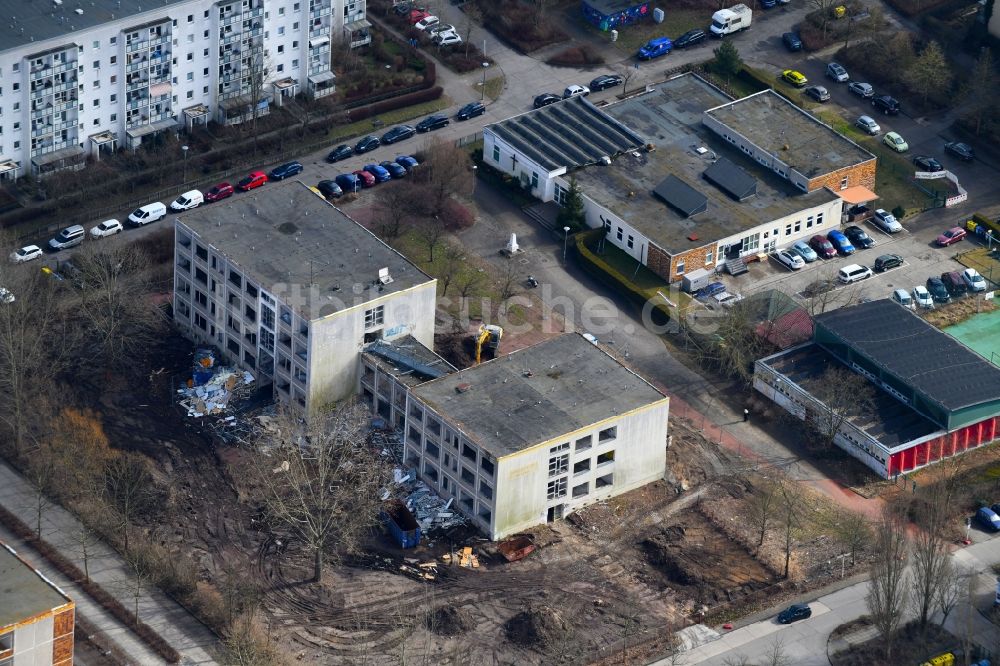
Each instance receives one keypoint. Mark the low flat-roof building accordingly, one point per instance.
(533, 435)
(934, 397)
(290, 288)
(36, 617)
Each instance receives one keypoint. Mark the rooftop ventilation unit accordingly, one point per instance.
(383, 276)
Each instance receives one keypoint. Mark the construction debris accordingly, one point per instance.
(431, 511)
(212, 387)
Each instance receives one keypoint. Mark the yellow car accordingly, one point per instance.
(797, 79)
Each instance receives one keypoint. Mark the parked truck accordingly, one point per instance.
(401, 524)
(728, 21)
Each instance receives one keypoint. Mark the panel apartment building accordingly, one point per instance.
(288, 287)
(36, 617)
(78, 78)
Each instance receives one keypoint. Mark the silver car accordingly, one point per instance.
(863, 90)
(886, 221)
(868, 124)
(790, 260)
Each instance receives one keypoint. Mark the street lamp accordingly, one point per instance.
(475, 172)
(184, 149)
(565, 241)
(486, 66)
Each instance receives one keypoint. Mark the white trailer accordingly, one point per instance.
(728, 21)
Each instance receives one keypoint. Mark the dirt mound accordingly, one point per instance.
(448, 621)
(536, 627)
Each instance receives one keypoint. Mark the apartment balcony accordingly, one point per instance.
(138, 103)
(319, 31)
(137, 65)
(137, 45)
(136, 85)
(320, 12)
(52, 70)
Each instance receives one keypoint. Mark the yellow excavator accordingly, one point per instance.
(489, 336)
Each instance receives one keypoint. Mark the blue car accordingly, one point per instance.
(395, 170)
(988, 518)
(710, 290)
(285, 171)
(407, 162)
(655, 48)
(840, 242)
(348, 182)
(381, 175)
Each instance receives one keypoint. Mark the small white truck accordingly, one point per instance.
(728, 21)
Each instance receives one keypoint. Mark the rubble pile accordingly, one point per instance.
(212, 387)
(432, 512)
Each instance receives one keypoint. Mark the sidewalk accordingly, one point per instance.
(59, 528)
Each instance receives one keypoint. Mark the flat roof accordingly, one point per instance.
(302, 249)
(935, 364)
(24, 592)
(408, 360)
(33, 22)
(888, 420)
(570, 134)
(537, 394)
(781, 128)
(670, 118)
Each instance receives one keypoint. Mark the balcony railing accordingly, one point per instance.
(51, 70)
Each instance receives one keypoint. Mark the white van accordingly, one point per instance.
(853, 273)
(187, 201)
(148, 213)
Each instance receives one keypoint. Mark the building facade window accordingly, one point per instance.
(556, 489)
(496, 154)
(558, 465)
(680, 267)
(374, 317)
(708, 257)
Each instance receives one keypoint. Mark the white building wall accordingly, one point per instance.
(500, 155)
(33, 643)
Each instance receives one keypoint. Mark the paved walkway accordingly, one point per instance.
(59, 528)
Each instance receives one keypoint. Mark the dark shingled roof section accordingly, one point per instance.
(928, 359)
(682, 197)
(731, 179)
(568, 134)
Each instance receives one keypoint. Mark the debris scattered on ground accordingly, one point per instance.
(211, 387)
(431, 511)
(536, 627)
(463, 558)
(448, 621)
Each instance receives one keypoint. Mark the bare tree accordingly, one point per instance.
(739, 659)
(790, 512)
(982, 88)
(733, 344)
(507, 280)
(824, 11)
(627, 73)
(452, 264)
(855, 532)
(432, 232)
(472, 16)
(395, 208)
(844, 394)
(129, 490)
(887, 590)
(468, 281)
(41, 473)
(931, 557)
(325, 485)
(761, 507)
(775, 655)
(954, 581)
(249, 642)
(142, 571)
(445, 172)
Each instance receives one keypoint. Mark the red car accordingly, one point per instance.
(953, 235)
(219, 192)
(823, 247)
(417, 15)
(254, 180)
(367, 179)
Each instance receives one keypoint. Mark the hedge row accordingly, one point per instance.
(386, 105)
(596, 266)
(95, 591)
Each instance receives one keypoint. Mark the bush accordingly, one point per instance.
(520, 25)
(409, 99)
(576, 56)
(456, 216)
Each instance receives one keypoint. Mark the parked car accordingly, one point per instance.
(853, 273)
(904, 298)
(286, 170)
(67, 238)
(219, 192)
(341, 152)
(797, 79)
(149, 213)
(381, 174)
(988, 519)
(605, 81)
(690, 38)
(868, 124)
(837, 72)
(954, 283)
(862, 90)
(822, 246)
(417, 15)
(709, 290)
(974, 280)
(441, 27)
(923, 298)
(938, 291)
(950, 236)
(187, 201)
(858, 237)
(106, 228)
(471, 110)
(330, 189)
(794, 613)
(896, 142)
(407, 162)
(654, 48)
(726, 299)
(840, 242)
(792, 41)
(348, 182)
(395, 170)
(449, 38)
(367, 144)
(818, 93)
(398, 133)
(790, 260)
(575, 91)
(962, 151)
(802, 249)
(426, 22)
(26, 253)
(886, 221)
(252, 181)
(545, 99)
(768, 4)
(431, 123)
(927, 163)
(886, 104)
(887, 262)
(367, 178)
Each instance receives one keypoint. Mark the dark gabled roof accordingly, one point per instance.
(928, 359)
(731, 179)
(571, 133)
(682, 197)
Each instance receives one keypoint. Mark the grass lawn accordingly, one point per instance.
(630, 38)
(388, 119)
(645, 281)
(494, 86)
